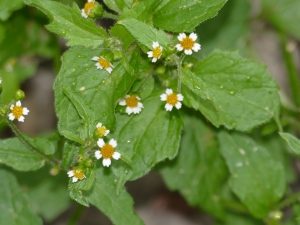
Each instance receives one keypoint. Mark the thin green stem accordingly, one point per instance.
(76, 215)
(178, 61)
(288, 201)
(291, 68)
(110, 16)
(235, 206)
(279, 125)
(29, 145)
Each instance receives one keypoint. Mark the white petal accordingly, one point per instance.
(18, 103)
(136, 110)
(91, 0)
(98, 154)
(168, 107)
(169, 91)
(71, 173)
(193, 36)
(188, 52)
(163, 97)
(12, 107)
(154, 60)
(100, 142)
(129, 110)
(21, 119)
(113, 143)
(106, 132)
(99, 125)
(95, 58)
(106, 162)
(11, 116)
(179, 47)
(116, 155)
(122, 102)
(178, 105)
(181, 36)
(150, 54)
(138, 98)
(83, 14)
(196, 47)
(155, 44)
(140, 105)
(109, 69)
(180, 97)
(25, 111)
(74, 179)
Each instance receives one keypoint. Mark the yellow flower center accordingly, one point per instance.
(187, 43)
(101, 130)
(172, 99)
(156, 52)
(17, 111)
(107, 151)
(78, 174)
(132, 101)
(104, 63)
(88, 7)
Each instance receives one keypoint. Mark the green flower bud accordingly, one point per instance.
(97, 11)
(3, 111)
(276, 215)
(54, 171)
(118, 55)
(89, 163)
(81, 159)
(107, 54)
(19, 95)
(160, 70)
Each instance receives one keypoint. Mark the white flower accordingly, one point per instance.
(102, 130)
(172, 99)
(133, 104)
(87, 8)
(107, 151)
(188, 43)
(76, 174)
(103, 64)
(17, 112)
(156, 52)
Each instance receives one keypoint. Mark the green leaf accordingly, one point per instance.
(42, 144)
(147, 138)
(70, 151)
(119, 208)
(199, 170)
(184, 16)
(118, 5)
(18, 156)
(68, 23)
(144, 33)
(8, 6)
(76, 195)
(293, 142)
(85, 184)
(284, 14)
(69, 135)
(14, 205)
(239, 219)
(239, 93)
(256, 178)
(97, 90)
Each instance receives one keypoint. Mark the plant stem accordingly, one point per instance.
(29, 145)
(235, 206)
(288, 201)
(291, 68)
(179, 70)
(76, 215)
(110, 16)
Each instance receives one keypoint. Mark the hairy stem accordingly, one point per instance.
(291, 68)
(29, 145)
(179, 70)
(288, 201)
(110, 16)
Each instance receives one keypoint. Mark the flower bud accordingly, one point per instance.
(54, 171)
(19, 95)
(118, 55)
(97, 11)
(89, 163)
(107, 54)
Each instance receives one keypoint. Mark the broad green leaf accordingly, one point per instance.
(256, 178)
(118, 5)
(70, 151)
(69, 135)
(227, 31)
(98, 91)
(42, 144)
(198, 171)
(292, 141)
(147, 138)
(48, 194)
(77, 195)
(184, 16)
(240, 90)
(18, 156)
(144, 33)
(68, 23)
(8, 6)
(119, 208)
(284, 14)
(15, 206)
